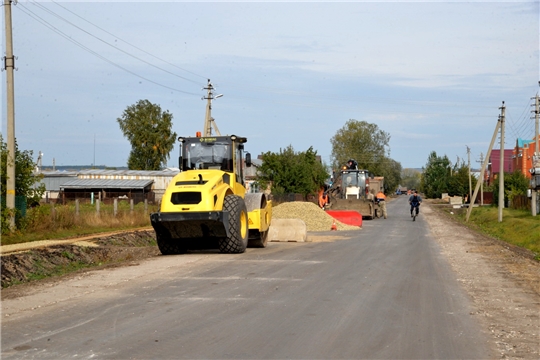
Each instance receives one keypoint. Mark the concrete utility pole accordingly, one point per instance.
(536, 116)
(536, 157)
(481, 181)
(209, 121)
(9, 65)
(501, 165)
(484, 165)
(470, 181)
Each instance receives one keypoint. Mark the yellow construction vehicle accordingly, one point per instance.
(206, 205)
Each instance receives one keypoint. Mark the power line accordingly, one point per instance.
(45, 23)
(125, 42)
(518, 127)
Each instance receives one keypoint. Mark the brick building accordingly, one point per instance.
(522, 156)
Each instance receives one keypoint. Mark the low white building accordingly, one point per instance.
(92, 181)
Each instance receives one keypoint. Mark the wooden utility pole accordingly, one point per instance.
(501, 165)
(209, 121)
(9, 65)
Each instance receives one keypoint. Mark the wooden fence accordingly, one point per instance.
(520, 202)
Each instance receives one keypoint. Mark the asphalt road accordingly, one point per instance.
(384, 292)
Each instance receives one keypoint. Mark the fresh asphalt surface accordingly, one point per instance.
(383, 292)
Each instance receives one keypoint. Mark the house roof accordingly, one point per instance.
(165, 172)
(105, 184)
(521, 142)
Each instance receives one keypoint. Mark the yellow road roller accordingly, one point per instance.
(206, 205)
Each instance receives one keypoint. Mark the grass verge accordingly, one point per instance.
(518, 227)
(63, 222)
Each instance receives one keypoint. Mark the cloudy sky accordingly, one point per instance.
(431, 74)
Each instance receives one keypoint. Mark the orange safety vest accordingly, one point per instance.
(323, 199)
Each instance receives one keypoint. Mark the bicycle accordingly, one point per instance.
(415, 212)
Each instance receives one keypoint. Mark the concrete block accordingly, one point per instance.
(286, 230)
(456, 200)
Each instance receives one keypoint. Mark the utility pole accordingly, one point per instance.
(94, 163)
(9, 65)
(536, 162)
(209, 121)
(501, 165)
(470, 181)
(536, 158)
(484, 165)
(482, 182)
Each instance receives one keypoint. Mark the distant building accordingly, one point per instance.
(107, 184)
(522, 156)
(494, 164)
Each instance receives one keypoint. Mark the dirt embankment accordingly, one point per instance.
(63, 257)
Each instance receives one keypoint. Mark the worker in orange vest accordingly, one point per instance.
(381, 199)
(323, 199)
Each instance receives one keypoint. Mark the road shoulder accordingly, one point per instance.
(503, 284)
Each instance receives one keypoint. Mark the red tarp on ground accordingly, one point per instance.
(349, 217)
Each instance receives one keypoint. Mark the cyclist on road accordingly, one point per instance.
(415, 200)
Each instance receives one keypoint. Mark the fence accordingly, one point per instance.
(20, 204)
(520, 202)
(106, 198)
(115, 206)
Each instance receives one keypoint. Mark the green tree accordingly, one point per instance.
(458, 183)
(515, 184)
(391, 170)
(149, 130)
(27, 184)
(435, 176)
(410, 178)
(290, 172)
(369, 146)
(363, 142)
(439, 176)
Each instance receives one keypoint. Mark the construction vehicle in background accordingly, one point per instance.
(351, 191)
(376, 184)
(206, 205)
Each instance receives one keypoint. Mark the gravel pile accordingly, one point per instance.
(315, 218)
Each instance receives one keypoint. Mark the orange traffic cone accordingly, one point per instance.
(334, 226)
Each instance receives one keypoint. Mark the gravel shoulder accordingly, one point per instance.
(502, 281)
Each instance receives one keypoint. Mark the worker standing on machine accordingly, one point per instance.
(381, 199)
